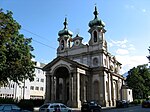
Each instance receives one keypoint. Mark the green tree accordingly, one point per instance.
(139, 80)
(15, 51)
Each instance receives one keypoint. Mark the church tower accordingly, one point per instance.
(64, 38)
(97, 32)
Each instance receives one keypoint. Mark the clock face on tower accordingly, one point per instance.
(77, 42)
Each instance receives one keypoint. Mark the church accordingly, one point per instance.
(81, 72)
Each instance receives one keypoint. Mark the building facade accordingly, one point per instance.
(83, 72)
(27, 90)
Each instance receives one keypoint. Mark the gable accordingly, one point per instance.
(63, 61)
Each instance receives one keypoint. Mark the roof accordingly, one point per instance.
(74, 63)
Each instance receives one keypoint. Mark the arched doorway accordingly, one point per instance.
(61, 75)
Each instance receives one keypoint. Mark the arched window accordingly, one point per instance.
(95, 36)
(62, 44)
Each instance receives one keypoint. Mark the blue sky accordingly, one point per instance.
(127, 23)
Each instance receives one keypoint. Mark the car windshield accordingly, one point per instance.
(7, 107)
(56, 106)
(14, 107)
(45, 106)
(62, 106)
(93, 103)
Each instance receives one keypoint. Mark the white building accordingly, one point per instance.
(27, 90)
(84, 72)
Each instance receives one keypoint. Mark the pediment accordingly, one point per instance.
(63, 61)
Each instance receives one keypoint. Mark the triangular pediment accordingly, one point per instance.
(64, 61)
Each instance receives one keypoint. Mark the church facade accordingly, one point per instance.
(83, 72)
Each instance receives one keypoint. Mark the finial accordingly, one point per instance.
(95, 12)
(65, 23)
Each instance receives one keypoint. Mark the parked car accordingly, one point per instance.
(122, 103)
(90, 106)
(54, 107)
(11, 108)
(146, 103)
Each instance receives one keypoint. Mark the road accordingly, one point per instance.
(129, 109)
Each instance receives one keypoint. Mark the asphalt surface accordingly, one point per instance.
(137, 108)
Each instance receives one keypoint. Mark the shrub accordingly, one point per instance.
(135, 101)
(26, 105)
(37, 102)
(7, 100)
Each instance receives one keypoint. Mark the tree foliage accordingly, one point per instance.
(15, 51)
(139, 80)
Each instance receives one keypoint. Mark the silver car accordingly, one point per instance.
(54, 107)
(11, 108)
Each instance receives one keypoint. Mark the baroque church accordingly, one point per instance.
(84, 72)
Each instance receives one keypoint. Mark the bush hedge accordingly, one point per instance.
(27, 104)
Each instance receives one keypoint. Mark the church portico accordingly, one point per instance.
(66, 84)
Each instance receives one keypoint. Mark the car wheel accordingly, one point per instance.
(69, 110)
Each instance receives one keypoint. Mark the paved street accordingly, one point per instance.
(129, 109)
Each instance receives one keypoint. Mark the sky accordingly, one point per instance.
(127, 23)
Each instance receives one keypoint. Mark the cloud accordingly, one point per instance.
(144, 10)
(122, 51)
(119, 43)
(125, 55)
(123, 47)
(129, 62)
(136, 8)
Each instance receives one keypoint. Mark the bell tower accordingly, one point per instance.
(97, 31)
(64, 37)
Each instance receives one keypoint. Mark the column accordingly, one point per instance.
(89, 86)
(57, 89)
(70, 89)
(64, 90)
(76, 90)
(112, 90)
(84, 88)
(52, 88)
(110, 93)
(104, 89)
(48, 87)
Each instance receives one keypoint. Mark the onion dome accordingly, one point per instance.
(96, 21)
(65, 31)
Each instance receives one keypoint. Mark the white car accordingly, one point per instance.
(54, 107)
